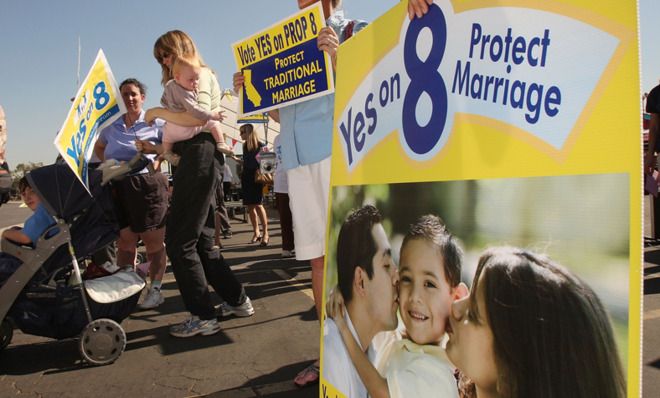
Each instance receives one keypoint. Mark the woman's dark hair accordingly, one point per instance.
(356, 247)
(551, 334)
(136, 83)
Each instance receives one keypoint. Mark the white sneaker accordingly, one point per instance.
(243, 310)
(194, 326)
(288, 253)
(154, 299)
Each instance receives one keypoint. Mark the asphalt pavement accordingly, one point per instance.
(250, 357)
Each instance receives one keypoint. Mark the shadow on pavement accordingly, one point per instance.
(267, 385)
(63, 356)
(652, 256)
(655, 364)
(652, 286)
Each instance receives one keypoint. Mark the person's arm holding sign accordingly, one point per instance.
(417, 8)
(329, 42)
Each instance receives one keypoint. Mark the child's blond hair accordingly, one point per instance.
(185, 61)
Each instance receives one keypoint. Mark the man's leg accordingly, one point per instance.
(286, 223)
(308, 197)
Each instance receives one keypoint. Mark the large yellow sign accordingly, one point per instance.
(516, 122)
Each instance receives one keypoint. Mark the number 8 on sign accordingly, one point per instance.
(101, 96)
(425, 78)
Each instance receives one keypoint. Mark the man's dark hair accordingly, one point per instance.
(356, 247)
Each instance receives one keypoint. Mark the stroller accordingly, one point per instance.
(46, 296)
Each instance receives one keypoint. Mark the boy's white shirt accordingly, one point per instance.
(413, 370)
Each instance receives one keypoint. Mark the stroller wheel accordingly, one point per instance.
(141, 258)
(6, 333)
(102, 341)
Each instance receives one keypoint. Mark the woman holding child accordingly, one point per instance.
(528, 329)
(190, 225)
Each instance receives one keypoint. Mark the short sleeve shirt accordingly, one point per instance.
(120, 141)
(200, 104)
(37, 223)
(306, 127)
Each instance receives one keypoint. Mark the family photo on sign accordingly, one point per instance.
(527, 326)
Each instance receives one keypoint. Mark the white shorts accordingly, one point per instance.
(309, 186)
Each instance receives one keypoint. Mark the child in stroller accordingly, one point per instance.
(45, 296)
(35, 225)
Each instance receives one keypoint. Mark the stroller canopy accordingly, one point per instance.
(91, 217)
(61, 192)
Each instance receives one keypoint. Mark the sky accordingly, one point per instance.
(39, 51)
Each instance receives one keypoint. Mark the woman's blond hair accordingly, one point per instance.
(251, 141)
(179, 44)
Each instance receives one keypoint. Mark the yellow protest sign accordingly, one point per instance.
(282, 64)
(97, 104)
(515, 123)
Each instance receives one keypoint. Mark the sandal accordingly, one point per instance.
(264, 240)
(255, 238)
(309, 375)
